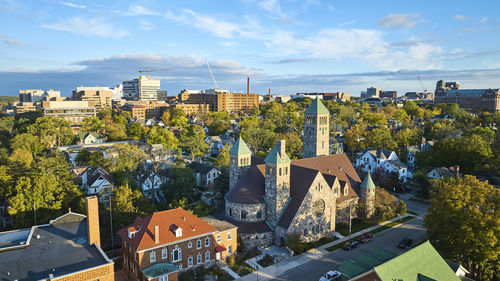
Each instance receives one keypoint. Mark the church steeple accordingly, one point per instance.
(367, 196)
(316, 130)
(240, 157)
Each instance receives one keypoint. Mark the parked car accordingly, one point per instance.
(350, 245)
(331, 276)
(365, 238)
(405, 243)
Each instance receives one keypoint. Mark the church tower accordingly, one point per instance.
(277, 190)
(367, 196)
(239, 161)
(316, 130)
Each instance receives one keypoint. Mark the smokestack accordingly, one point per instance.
(93, 234)
(157, 234)
(248, 85)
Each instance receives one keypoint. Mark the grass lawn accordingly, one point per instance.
(356, 225)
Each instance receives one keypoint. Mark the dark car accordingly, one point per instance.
(405, 243)
(365, 238)
(350, 245)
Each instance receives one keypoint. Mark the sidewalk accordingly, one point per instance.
(275, 270)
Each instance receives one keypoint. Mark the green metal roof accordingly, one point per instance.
(421, 262)
(275, 157)
(364, 262)
(317, 107)
(159, 269)
(368, 182)
(240, 147)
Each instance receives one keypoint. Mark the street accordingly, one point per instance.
(386, 240)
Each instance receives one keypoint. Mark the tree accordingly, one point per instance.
(442, 129)
(181, 183)
(354, 137)
(128, 204)
(223, 157)
(218, 127)
(92, 124)
(159, 135)
(380, 137)
(413, 109)
(385, 204)
(192, 138)
(126, 158)
(401, 208)
(27, 142)
(136, 131)
(178, 117)
(401, 116)
(407, 136)
(463, 223)
(165, 117)
(52, 131)
(221, 183)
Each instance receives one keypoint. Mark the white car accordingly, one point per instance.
(331, 276)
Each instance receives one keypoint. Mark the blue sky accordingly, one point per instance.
(288, 45)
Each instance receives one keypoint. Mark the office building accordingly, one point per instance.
(29, 95)
(143, 109)
(388, 94)
(219, 100)
(22, 107)
(471, 99)
(143, 88)
(336, 96)
(66, 249)
(373, 92)
(99, 96)
(72, 111)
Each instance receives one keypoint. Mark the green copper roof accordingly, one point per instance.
(317, 107)
(275, 157)
(368, 182)
(365, 262)
(159, 269)
(421, 262)
(240, 147)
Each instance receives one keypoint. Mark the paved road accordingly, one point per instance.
(418, 207)
(386, 240)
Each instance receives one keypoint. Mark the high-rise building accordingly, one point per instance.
(142, 88)
(471, 99)
(30, 95)
(99, 96)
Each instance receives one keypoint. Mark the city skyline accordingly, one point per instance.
(290, 46)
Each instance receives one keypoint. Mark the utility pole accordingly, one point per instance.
(350, 219)
(111, 224)
(34, 210)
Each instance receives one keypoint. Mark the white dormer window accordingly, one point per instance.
(176, 230)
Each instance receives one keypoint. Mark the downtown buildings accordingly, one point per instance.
(470, 99)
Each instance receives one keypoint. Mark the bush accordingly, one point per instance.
(402, 208)
(266, 261)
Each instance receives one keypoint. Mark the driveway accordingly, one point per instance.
(386, 240)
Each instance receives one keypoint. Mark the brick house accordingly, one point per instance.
(158, 246)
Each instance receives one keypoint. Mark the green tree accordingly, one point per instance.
(52, 131)
(413, 109)
(380, 137)
(463, 223)
(159, 135)
(165, 117)
(401, 208)
(128, 204)
(178, 118)
(223, 157)
(407, 137)
(27, 142)
(192, 138)
(181, 183)
(92, 124)
(442, 129)
(401, 116)
(136, 131)
(355, 138)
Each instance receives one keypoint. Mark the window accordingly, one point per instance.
(218, 238)
(286, 170)
(199, 259)
(230, 212)
(164, 254)
(280, 172)
(230, 249)
(163, 278)
(207, 242)
(190, 245)
(243, 215)
(190, 261)
(176, 254)
(198, 244)
(259, 214)
(229, 236)
(207, 256)
(152, 256)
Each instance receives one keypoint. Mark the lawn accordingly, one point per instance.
(356, 225)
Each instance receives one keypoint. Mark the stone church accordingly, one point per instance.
(273, 197)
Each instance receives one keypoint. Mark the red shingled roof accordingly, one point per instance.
(191, 226)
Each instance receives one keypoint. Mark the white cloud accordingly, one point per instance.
(12, 42)
(273, 7)
(72, 5)
(99, 27)
(216, 26)
(460, 17)
(399, 21)
(484, 20)
(146, 25)
(139, 10)
(347, 23)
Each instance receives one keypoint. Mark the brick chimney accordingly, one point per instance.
(157, 234)
(248, 85)
(281, 147)
(93, 233)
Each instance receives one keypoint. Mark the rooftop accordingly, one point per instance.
(58, 248)
(219, 224)
(240, 147)
(317, 107)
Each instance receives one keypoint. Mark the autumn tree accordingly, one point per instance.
(463, 223)
(355, 137)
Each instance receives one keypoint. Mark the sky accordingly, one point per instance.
(289, 46)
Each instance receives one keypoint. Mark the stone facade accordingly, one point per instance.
(367, 202)
(257, 239)
(277, 192)
(252, 212)
(316, 133)
(343, 209)
(239, 166)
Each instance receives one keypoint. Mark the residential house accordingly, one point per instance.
(215, 144)
(444, 172)
(158, 246)
(205, 174)
(382, 160)
(420, 263)
(90, 138)
(68, 248)
(97, 181)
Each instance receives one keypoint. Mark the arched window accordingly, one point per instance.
(176, 254)
(280, 172)
(199, 259)
(243, 215)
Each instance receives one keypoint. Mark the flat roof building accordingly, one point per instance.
(143, 89)
(219, 100)
(471, 99)
(30, 95)
(72, 111)
(99, 96)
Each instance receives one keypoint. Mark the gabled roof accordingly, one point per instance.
(191, 225)
(419, 262)
(367, 182)
(396, 164)
(380, 153)
(275, 156)
(84, 135)
(240, 147)
(200, 167)
(93, 174)
(317, 107)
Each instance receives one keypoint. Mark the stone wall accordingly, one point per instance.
(252, 211)
(343, 209)
(257, 239)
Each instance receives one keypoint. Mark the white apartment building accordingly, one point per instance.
(382, 160)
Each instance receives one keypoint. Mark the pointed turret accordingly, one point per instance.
(316, 130)
(368, 182)
(240, 157)
(367, 196)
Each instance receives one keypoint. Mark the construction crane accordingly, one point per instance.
(423, 87)
(148, 70)
(211, 74)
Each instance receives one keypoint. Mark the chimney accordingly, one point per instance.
(281, 147)
(93, 234)
(248, 85)
(157, 234)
